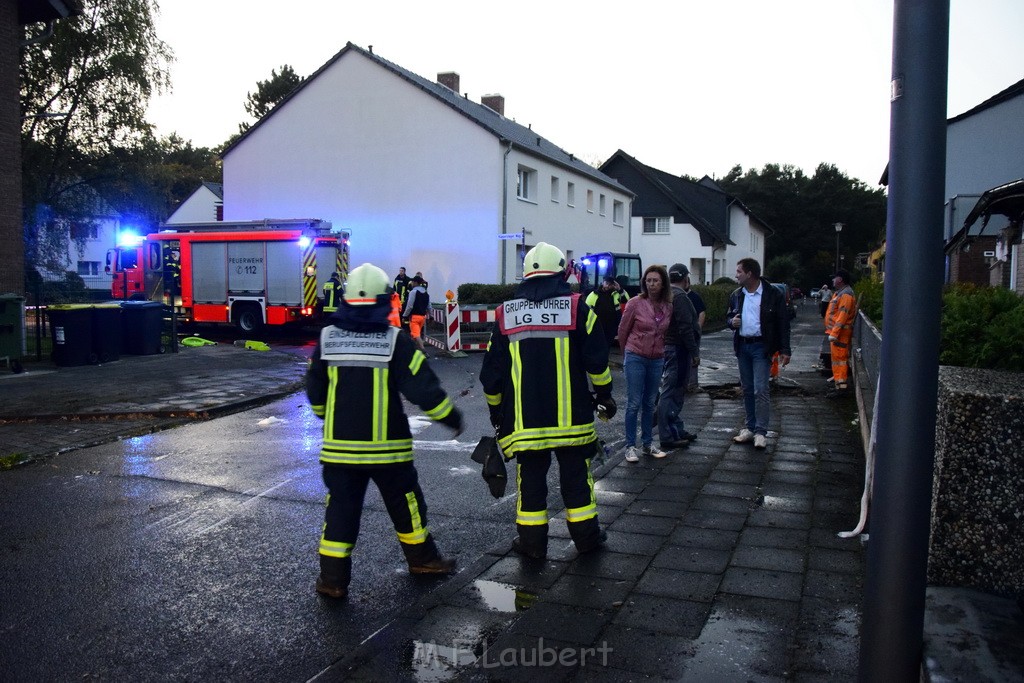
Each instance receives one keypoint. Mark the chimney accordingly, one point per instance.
(495, 102)
(450, 80)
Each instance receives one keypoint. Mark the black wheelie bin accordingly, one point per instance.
(142, 322)
(106, 332)
(71, 333)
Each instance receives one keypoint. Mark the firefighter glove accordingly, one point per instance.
(606, 407)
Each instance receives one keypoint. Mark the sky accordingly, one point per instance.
(688, 87)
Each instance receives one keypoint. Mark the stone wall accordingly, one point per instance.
(977, 521)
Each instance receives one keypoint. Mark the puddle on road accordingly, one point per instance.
(502, 597)
(434, 662)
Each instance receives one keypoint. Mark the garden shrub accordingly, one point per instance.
(869, 298)
(981, 327)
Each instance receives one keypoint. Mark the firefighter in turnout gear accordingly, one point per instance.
(358, 373)
(842, 312)
(544, 345)
(332, 292)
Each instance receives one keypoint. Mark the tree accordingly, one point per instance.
(802, 211)
(269, 93)
(784, 268)
(84, 92)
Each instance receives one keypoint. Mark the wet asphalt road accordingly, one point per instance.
(191, 554)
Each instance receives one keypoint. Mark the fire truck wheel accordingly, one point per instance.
(248, 319)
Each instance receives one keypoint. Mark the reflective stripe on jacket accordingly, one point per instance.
(356, 381)
(537, 365)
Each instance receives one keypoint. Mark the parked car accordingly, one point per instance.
(797, 293)
(788, 294)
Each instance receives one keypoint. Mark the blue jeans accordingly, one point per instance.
(643, 375)
(755, 370)
(674, 380)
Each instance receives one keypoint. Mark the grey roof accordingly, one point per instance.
(704, 202)
(506, 130)
(216, 188)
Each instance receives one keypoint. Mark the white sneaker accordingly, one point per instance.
(745, 436)
(654, 452)
(760, 441)
(632, 454)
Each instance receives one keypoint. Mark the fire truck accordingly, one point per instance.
(625, 268)
(248, 273)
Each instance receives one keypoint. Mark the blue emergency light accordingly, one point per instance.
(128, 238)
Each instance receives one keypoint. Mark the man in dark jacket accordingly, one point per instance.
(544, 346)
(681, 354)
(760, 323)
(358, 373)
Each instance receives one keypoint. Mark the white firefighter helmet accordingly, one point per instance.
(543, 259)
(365, 284)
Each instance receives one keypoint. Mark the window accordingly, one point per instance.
(755, 243)
(526, 185)
(590, 201)
(618, 211)
(84, 231)
(87, 268)
(600, 205)
(554, 188)
(570, 194)
(656, 226)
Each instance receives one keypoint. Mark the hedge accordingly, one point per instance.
(981, 327)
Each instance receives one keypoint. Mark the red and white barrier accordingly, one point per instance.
(452, 319)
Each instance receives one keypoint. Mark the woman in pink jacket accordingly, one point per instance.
(642, 340)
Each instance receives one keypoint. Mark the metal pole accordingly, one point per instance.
(837, 253)
(894, 599)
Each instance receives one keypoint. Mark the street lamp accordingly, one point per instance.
(839, 228)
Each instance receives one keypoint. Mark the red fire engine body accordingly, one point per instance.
(249, 273)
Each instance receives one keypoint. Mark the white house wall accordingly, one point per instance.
(550, 217)
(748, 243)
(88, 257)
(200, 207)
(418, 184)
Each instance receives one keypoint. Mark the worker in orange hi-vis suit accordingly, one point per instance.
(395, 316)
(842, 311)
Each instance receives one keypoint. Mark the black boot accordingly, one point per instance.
(532, 541)
(587, 535)
(425, 558)
(335, 574)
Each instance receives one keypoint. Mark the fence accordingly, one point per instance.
(867, 357)
(457, 329)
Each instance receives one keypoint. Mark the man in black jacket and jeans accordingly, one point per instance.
(760, 323)
(681, 354)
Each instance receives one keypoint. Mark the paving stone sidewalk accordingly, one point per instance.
(722, 563)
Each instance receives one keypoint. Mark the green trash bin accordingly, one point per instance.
(71, 333)
(142, 323)
(106, 332)
(12, 330)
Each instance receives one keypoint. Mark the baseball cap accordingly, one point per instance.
(677, 272)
